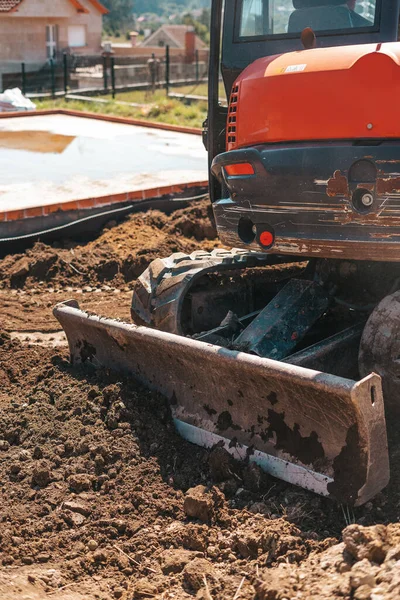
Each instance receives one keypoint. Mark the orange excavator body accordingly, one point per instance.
(348, 92)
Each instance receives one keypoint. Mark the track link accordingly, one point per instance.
(159, 292)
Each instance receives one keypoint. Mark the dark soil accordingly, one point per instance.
(100, 498)
(119, 255)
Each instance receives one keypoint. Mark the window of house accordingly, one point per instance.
(76, 36)
(51, 41)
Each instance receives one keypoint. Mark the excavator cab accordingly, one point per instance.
(303, 159)
(254, 29)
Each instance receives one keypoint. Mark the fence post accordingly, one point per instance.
(113, 76)
(23, 78)
(53, 79)
(197, 65)
(167, 69)
(65, 62)
(105, 75)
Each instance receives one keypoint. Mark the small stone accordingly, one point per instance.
(366, 542)
(24, 455)
(15, 468)
(77, 507)
(21, 268)
(41, 475)
(194, 572)
(363, 574)
(199, 504)
(363, 593)
(43, 557)
(343, 567)
(4, 445)
(259, 508)
(37, 453)
(144, 589)
(79, 483)
(100, 556)
(92, 545)
(173, 561)
(118, 592)
(17, 541)
(74, 519)
(393, 555)
(212, 551)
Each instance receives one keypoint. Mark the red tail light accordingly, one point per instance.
(266, 239)
(239, 169)
(231, 125)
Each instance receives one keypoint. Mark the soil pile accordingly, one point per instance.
(100, 498)
(119, 255)
(96, 483)
(366, 566)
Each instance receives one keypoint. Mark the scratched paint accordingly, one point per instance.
(337, 185)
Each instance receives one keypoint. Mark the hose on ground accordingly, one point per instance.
(108, 213)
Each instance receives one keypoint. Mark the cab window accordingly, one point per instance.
(277, 17)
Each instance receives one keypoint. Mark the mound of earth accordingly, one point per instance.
(366, 566)
(101, 499)
(118, 255)
(95, 483)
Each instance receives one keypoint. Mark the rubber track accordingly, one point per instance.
(159, 292)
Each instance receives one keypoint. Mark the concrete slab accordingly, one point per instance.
(58, 158)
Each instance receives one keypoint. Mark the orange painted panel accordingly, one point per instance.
(135, 195)
(71, 205)
(51, 208)
(14, 215)
(103, 200)
(86, 203)
(350, 92)
(36, 211)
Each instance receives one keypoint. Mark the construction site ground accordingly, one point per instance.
(101, 499)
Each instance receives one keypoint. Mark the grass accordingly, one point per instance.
(158, 108)
(143, 96)
(199, 89)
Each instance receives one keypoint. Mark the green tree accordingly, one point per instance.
(120, 14)
(201, 29)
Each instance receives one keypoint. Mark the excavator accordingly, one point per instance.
(284, 349)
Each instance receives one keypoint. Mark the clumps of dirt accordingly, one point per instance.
(366, 566)
(119, 254)
(95, 483)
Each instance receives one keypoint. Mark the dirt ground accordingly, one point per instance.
(101, 499)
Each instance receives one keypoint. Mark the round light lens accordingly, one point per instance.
(266, 239)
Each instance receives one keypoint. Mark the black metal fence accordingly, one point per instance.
(106, 74)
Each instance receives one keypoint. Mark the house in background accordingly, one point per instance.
(174, 36)
(34, 31)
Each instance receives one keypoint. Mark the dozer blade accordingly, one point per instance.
(322, 432)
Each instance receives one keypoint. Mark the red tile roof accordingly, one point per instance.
(11, 5)
(8, 5)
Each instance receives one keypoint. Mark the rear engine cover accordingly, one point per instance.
(349, 92)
